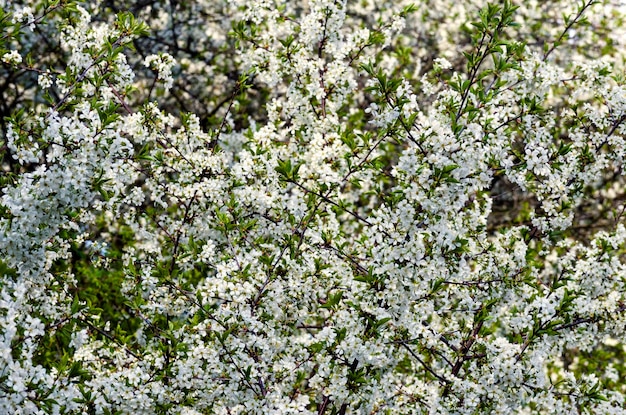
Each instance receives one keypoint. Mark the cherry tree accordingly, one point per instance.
(312, 207)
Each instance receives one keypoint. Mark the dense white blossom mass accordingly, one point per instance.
(312, 207)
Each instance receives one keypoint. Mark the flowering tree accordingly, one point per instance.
(321, 207)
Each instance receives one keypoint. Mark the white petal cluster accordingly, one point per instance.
(162, 64)
(313, 207)
(13, 57)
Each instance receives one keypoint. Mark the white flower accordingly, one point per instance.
(441, 63)
(45, 80)
(13, 57)
(162, 63)
(23, 15)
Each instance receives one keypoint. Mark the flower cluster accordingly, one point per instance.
(313, 207)
(12, 57)
(162, 64)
